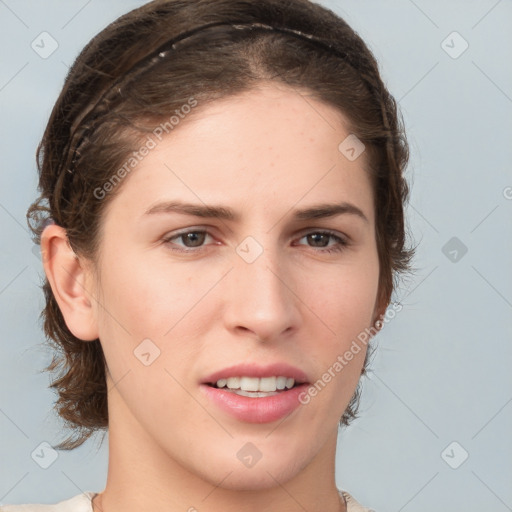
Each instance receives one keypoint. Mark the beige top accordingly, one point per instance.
(82, 503)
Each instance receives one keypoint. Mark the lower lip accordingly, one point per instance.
(256, 410)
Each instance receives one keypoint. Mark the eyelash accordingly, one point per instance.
(341, 243)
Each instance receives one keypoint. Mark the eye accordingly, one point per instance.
(321, 239)
(190, 240)
(193, 240)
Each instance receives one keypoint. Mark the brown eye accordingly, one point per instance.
(321, 240)
(193, 238)
(187, 240)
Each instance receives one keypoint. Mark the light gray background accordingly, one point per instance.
(441, 373)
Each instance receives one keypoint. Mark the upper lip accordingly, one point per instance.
(255, 370)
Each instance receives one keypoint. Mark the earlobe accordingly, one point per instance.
(379, 313)
(70, 282)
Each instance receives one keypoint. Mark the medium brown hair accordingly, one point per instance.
(122, 85)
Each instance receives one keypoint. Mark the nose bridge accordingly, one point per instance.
(261, 298)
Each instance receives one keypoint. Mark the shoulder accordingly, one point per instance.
(79, 503)
(353, 505)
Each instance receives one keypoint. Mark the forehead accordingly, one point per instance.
(273, 147)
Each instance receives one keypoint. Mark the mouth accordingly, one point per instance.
(256, 394)
(256, 387)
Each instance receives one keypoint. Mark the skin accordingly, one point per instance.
(263, 153)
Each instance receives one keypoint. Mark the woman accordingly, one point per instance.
(221, 222)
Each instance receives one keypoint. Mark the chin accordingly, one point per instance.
(244, 467)
(257, 478)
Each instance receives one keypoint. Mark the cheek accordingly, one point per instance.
(149, 298)
(343, 297)
(141, 331)
(153, 300)
(343, 302)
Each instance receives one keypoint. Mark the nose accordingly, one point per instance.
(260, 299)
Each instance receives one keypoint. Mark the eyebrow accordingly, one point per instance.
(319, 211)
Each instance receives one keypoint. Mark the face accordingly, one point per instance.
(240, 252)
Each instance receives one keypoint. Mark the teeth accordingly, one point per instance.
(232, 382)
(255, 384)
(268, 384)
(281, 382)
(249, 383)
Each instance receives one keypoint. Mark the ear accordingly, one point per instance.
(71, 283)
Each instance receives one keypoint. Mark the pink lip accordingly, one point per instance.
(256, 410)
(253, 370)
